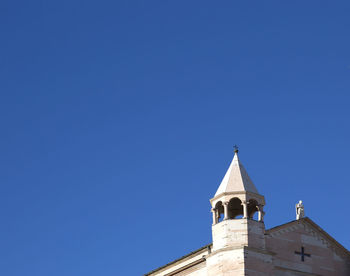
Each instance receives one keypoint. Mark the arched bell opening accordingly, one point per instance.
(253, 209)
(219, 207)
(235, 208)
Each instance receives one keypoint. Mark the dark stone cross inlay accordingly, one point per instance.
(302, 254)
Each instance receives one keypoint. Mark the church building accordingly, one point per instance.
(242, 246)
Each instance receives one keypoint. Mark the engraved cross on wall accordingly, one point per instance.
(302, 254)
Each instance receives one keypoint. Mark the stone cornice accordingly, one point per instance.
(203, 249)
(201, 260)
(238, 193)
(243, 248)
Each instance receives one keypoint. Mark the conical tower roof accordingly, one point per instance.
(236, 179)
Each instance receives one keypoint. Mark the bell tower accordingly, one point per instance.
(238, 228)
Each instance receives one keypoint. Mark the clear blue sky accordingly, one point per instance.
(118, 120)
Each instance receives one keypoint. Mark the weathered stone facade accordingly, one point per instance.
(242, 246)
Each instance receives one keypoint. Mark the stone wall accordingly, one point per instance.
(325, 258)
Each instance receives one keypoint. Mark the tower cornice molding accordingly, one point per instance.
(244, 247)
(250, 194)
